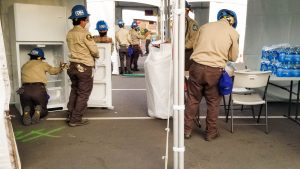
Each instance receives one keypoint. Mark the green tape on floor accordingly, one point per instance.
(134, 75)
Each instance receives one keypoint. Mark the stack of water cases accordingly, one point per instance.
(283, 60)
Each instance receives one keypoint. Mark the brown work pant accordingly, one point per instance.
(187, 61)
(81, 88)
(123, 53)
(148, 41)
(34, 94)
(203, 81)
(135, 56)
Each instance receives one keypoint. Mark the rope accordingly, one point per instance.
(166, 157)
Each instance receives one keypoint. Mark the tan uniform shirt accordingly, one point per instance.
(148, 36)
(190, 32)
(34, 71)
(135, 37)
(123, 37)
(215, 44)
(82, 47)
(104, 39)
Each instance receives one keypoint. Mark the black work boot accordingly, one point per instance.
(211, 136)
(68, 117)
(37, 114)
(26, 119)
(187, 136)
(79, 123)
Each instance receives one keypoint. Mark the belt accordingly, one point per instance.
(135, 45)
(206, 66)
(123, 45)
(82, 64)
(36, 83)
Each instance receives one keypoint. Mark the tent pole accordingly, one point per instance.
(178, 57)
(181, 83)
(175, 67)
(162, 20)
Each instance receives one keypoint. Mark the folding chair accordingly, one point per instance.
(250, 80)
(237, 67)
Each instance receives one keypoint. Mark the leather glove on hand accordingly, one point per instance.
(64, 66)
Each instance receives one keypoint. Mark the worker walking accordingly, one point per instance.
(191, 30)
(83, 51)
(123, 40)
(148, 40)
(135, 38)
(33, 94)
(215, 44)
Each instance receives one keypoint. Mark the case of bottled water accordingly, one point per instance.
(283, 60)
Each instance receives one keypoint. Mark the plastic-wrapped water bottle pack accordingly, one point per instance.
(283, 60)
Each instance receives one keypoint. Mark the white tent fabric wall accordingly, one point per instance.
(104, 10)
(270, 22)
(159, 81)
(4, 148)
(7, 160)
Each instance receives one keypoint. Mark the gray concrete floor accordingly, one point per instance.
(140, 144)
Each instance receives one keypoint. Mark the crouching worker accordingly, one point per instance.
(33, 94)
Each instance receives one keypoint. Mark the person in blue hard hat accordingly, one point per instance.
(191, 30)
(215, 44)
(147, 35)
(102, 28)
(33, 94)
(135, 41)
(123, 40)
(229, 15)
(83, 51)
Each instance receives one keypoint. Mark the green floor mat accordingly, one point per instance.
(134, 75)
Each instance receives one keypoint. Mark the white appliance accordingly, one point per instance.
(101, 95)
(45, 27)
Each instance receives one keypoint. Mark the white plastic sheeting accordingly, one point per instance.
(270, 22)
(6, 160)
(159, 81)
(4, 148)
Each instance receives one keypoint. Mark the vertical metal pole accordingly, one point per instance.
(162, 20)
(181, 82)
(290, 99)
(297, 104)
(167, 22)
(178, 56)
(175, 67)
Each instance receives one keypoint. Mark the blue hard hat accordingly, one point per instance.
(225, 13)
(225, 84)
(134, 25)
(188, 5)
(78, 11)
(120, 23)
(37, 52)
(101, 26)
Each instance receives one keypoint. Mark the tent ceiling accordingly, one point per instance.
(200, 4)
(132, 4)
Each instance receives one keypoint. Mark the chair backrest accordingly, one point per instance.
(251, 79)
(232, 67)
(239, 66)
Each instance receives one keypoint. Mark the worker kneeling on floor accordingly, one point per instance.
(33, 94)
